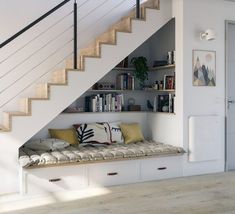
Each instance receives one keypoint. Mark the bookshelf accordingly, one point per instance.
(110, 99)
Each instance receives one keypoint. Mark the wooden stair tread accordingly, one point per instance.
(37, 98)
(16, 113)
(57, 83)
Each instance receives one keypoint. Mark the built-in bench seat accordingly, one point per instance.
(76, 168)
(90, 154)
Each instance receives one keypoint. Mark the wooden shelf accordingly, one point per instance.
(136, 90)
(154, 90)
(165, 67)
(118, 112)
(115, 90)
(123, 69)
(158, 68)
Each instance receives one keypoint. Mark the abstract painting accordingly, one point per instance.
(204, 68)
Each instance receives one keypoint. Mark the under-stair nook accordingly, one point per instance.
(38, 69)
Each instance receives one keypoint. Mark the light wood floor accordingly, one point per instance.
(209, 194)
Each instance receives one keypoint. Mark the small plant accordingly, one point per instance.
(141, 69)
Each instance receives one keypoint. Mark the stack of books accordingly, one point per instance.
(111, 102)
(125, 81)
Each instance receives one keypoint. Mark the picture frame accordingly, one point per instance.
(204, 68)
(169, 82)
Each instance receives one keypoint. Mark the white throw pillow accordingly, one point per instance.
(115, 130)
(49, 144)
(93, 133)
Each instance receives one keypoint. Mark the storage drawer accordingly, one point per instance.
(108, 174)
(161, 168)
(54, 179)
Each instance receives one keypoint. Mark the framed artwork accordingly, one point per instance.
(204, 68)
(169, 82)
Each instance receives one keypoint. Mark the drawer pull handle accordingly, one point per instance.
(112, 173)
(55, 180)
(162, 168)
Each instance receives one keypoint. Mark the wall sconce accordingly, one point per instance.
(208, 35)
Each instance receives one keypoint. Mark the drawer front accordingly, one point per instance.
(161, 168)
(115, 173)
(54, 179)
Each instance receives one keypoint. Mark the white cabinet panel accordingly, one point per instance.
(114, 173)
(161, 168)
(54, 179)
(204, 138)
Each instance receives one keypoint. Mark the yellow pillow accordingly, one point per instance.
(68, 135)
(131, 132)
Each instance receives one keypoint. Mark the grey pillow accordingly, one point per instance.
(49, 144)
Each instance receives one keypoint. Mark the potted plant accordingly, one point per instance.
(141, 69)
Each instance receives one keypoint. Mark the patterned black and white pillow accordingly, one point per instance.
(93, 133)
(115, 131)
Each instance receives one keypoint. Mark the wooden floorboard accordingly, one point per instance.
(208, 194)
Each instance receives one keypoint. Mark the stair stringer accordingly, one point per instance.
(61, 96)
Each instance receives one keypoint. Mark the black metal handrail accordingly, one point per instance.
(138, 15)
(33, 23)
(74, 40)
(75, 35)
(137, 9)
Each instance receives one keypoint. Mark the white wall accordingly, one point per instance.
(66, 120)
(192, 17)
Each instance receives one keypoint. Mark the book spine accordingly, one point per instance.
(118, 82)
(87, 104)
(100, 106)
(155, 104)
(170, 103)
(93, 104)
(132, 83)
(125, 76)
(113, 103)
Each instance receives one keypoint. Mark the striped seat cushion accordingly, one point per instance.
(72, 154)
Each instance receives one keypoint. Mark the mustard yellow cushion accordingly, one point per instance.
(68, 135)
(131, 132)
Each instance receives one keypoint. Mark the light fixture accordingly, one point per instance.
(208, 35)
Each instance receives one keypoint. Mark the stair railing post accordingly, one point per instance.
(138, 9)
(75, 35)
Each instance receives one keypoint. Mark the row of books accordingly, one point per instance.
(164, 103)
(111, 102)
(125, 81)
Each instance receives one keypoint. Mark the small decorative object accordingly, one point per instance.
(155, 86)
(123, 63)
(105, 86)
(141, 69)
(169, 82)
(204, 73)
(160, 85)
(73, 109)
(149, 105)
(169, 57)
(163, 103)
(134, 108)
(131, 105)
(158, 63)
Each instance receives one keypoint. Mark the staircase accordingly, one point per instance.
(94, 61)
